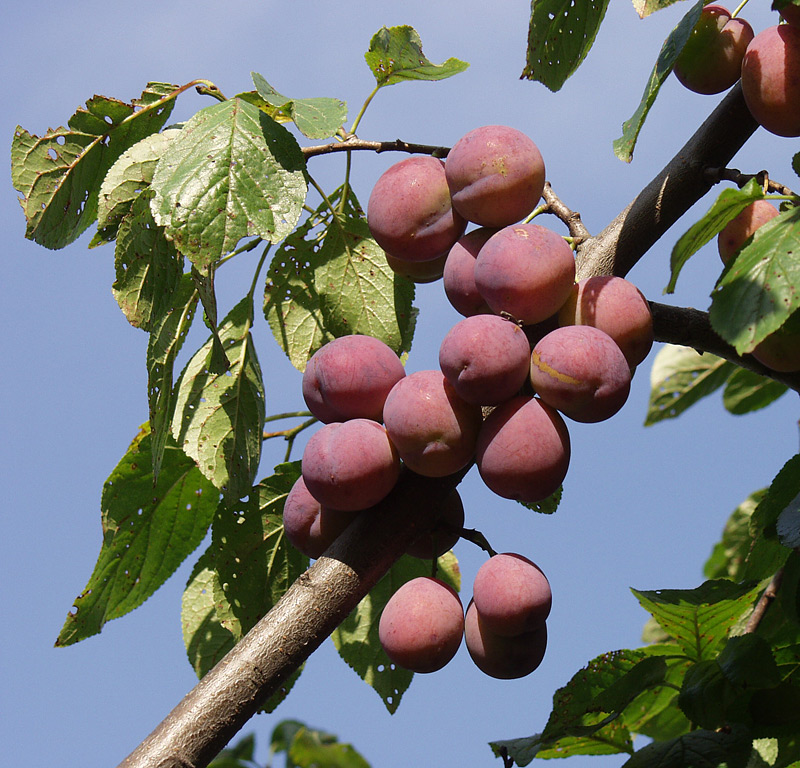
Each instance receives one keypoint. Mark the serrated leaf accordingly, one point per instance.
(148, 268)
(746, 391)
(728, 556)
(560, 34)
(395, 54)
(148, 531)
(130, 175)
(645, 7)
(59, 174)
(624, 146)
(701, 749)
(730, 203)
(317, 118)
(335, 281)
(311, 749)
(699, 619)
(680, 377)
(356, 638)
(758, 289)
(231, 173)
(219, 417)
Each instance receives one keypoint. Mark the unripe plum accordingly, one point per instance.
(422, 625)
(485, 358)
(446, 532)
(310, 527)
(496, 175)
(350, 377)
(523, 450)
(616, 306)
(771, 79)
(526, 271)
(505, 658)
(711, 59)
(409, 212)
(418, 271)
(780, 351)
(459, 273)
(350, 465)
(433, 429)
(511, 594)
(582, 372)
(741, 228)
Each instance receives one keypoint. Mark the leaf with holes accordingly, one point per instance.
(219, 417)
(148, 268)
(673, 45)
(148, 531)
(560, 35)
(746, 392)
(356, 638)
(699, 619)
(395, 54)
(316, 118)
(758, 289)
(233, 172)
(680, 377)
(130, 175)
(59, 175)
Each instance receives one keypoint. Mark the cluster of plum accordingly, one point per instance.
(722, 49)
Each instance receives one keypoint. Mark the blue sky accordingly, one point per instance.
(642, 507)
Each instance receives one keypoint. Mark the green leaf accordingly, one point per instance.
(727, 559)
(148, 268)
(317, 118)
(757, 291)
(330, 278)
(624, 146)
(699, 749)
(147, 533)
(699, 619)
(312, 749)
(546, 506)
(747, 391)
(59, 175)
(219, 417)
(747, 661)
(356, 639)
(730, 203)
(645, 7)
(395, 54)
(231, 173)
(240, 755)
(130, 175)
(560, 34)
(680, 377)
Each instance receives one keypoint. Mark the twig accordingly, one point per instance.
(571, 218)
(397, 145)
(764, 602)
(715, 175)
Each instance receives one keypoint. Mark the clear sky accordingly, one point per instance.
(642, 507)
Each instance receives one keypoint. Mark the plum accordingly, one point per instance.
(422, 625)
(771, 79)
(459, 273)
(349, 378)
(780, 351)
(446, 532)
(409, 212)
(741, 228)
(496, 175)
(418, 271)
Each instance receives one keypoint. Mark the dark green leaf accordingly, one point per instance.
(219, 417)
(317, 118)
(730, 203)
(395, 54)
(314, 749)
(680, 377)
(776, 711)
(560, 34)
(757, 291)
(59, 174)
(747, 391)
(747, 660)
(356, 638)
(624, 146)
(231, 173)
(728, 557)
(240, 755)
(698, 749)
(699, 619)
(148, 531)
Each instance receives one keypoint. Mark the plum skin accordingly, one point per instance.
(582, 372)
(711, 59)
(349, 378)
(739, 229)
(458, 277)
(771, 79)
(504, 658)
(780, 351)
(496, 175)
(445, 533)
(410, 213)
(422, 625)
(350, 465)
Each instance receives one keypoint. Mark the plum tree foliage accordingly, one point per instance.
(715, 683)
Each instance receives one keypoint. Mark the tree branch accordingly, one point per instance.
(397, 145)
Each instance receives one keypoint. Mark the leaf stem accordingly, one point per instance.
(360, 115)
(289, 415)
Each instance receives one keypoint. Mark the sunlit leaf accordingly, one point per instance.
(646, 7)
(728, 556)
(746, 392)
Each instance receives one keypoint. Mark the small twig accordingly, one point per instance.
(764, 602)
(571, 218)
(508, 761)
(715, 175)
(397, 145)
